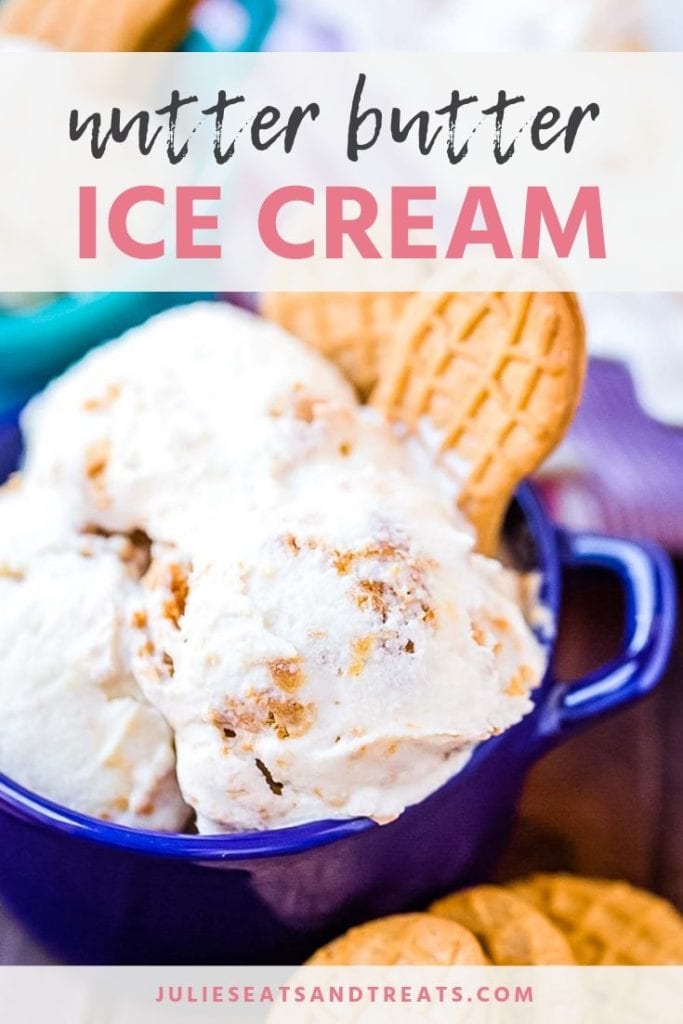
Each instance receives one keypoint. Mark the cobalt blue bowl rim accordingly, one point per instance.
(21, 802)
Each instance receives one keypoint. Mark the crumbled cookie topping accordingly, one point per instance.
(174, 607)
(104, 401)
(96, 461)
(287, 673)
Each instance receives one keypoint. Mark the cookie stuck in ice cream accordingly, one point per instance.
(352, 329)
(496, 376)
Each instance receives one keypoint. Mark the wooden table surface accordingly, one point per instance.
(608, 802)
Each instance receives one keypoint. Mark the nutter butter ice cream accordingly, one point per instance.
(280, 589)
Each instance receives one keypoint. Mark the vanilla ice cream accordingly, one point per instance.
(197, 403)
(314, 624)
(338, 656)
(74, 725)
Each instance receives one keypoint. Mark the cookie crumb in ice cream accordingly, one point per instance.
(275, 787)
(287, 674)
(138, 619)
(92, 530)
(174, 607)
(236, 715)
(428, 614)
(304, 408)
(289, 718)
(167, 662)
(372, 595)
(97, 457)
(521, 682)
(344, 561)
(298, 404)
(9, 572)
(291, 543)
(136, 552)
(104, 401)
(361, 648)
(478, 633)
(134, 548)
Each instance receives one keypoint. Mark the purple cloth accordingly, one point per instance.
(623, 471)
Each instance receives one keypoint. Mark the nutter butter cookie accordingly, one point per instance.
(511, 931)
(353, 329)
(608, 922)
(418, 939)
(497, 376)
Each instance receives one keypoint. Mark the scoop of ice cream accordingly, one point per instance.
(198, 403)
(314, 624)
(339, 654)
(74, 725)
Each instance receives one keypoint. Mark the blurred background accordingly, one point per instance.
(478, 25)
(611, 801)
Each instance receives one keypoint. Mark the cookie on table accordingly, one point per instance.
(607, 922)
(510, 930)
(418, 939)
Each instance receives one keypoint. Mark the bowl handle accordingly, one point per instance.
(646, 574)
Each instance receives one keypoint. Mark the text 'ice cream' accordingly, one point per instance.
(214, 548)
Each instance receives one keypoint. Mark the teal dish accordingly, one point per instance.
(40, 341)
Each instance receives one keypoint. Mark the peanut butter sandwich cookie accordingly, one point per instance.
(496, 376)
(608, 922)
(417, 939)
(511, 931)
(350, 328)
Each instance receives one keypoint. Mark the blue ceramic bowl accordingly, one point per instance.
(101, 894)
(38, 343)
